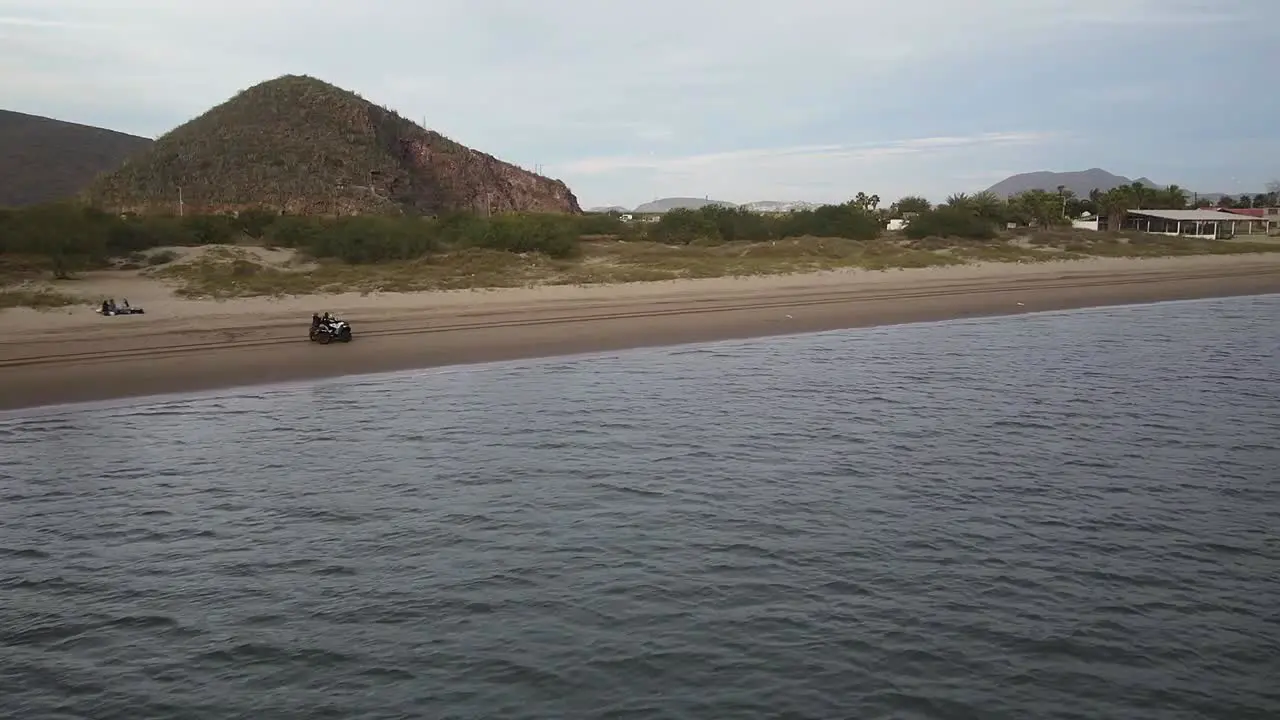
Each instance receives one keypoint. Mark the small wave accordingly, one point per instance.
(23, 553)
(35, 633)
(335, 570)
(142, 622)
(629, 490)
(388, 673)
(249, 654)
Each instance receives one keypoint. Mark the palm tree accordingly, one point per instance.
(1138, 193)
(1064, 194)
(1175, 198)
(987, 204)
(1115, 203)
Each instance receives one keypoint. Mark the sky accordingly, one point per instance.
(741, 101)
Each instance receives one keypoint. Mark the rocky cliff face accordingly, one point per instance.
(302, 146)
(446, 176)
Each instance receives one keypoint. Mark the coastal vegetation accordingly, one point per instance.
(258, 251)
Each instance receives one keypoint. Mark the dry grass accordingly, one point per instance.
(1137, 245)
(223, 272)
(1013, 250)
(234, 272)
(228, 272)
(620, 261)
(15, 268)
(42, 299)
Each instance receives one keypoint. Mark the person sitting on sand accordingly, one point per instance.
(315, 321)
(106, 308)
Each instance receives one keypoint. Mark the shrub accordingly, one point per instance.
(293, 231)
(950, 222)
(552, 235)
(210, 229)
(843, 221)
(135, 234)
(163, 257)
(683, 226)
(254, 222)
(712, 225)
(370, 239)
(604, 224)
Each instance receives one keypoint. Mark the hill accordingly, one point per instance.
(46, 160)
(1079, 182)
(779, 205)
(665, 204)
(300, 145)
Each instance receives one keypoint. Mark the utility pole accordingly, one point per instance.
(181, 208)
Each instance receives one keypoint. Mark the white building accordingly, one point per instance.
(1085, 222)
(1204, 224)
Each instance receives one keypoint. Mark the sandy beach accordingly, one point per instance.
(74, 355)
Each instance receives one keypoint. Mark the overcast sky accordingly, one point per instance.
(737, 100)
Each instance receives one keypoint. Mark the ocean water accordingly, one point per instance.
(1063, 515)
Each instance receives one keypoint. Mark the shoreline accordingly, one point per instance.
(195, 346)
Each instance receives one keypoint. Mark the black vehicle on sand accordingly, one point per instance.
(327, 328)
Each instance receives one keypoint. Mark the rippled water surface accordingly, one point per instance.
(1069, 515)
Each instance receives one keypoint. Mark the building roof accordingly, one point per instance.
(1255, 212)
(1191, 215)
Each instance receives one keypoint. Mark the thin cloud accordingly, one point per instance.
(806, 153)
(39, 23)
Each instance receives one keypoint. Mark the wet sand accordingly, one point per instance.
(185, 345)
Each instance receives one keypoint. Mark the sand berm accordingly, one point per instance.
(191, 345)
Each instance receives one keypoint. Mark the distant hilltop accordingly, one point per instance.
(46, 160)
(300, 145)
(687, 203)
(1082, 182)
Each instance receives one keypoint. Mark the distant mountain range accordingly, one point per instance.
(46, 160)
(663, 205)
(1081, 182)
